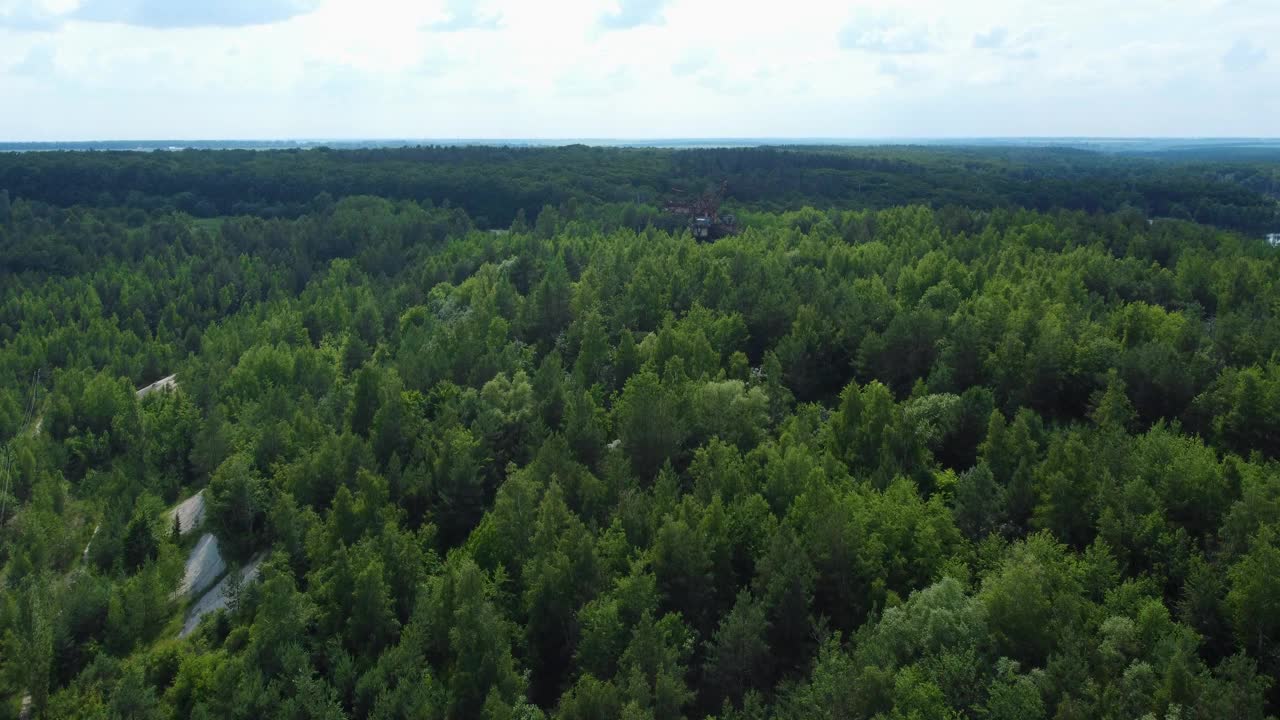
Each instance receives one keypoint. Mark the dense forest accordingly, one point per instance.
(484, 433)
(494, 184)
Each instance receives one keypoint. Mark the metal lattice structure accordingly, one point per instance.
(703, 213)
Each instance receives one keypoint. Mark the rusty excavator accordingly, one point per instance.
(705, 220)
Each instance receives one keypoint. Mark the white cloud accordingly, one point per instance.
(991, 39)
(692, 61)
(868, 68)
(183, 14)
(634, 13)
(884, 35)
(50, 14)
(464, 15)
(1007, 45)
(38, 63)
(33, 15)
(1243, 56)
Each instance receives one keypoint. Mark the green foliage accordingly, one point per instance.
(989, 457)
(649, 419)
(1030, 599)
(738, 656)
(237, 501)
(1253, 598)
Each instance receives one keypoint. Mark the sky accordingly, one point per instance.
(634, 69)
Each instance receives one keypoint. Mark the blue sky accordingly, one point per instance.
(186, 69)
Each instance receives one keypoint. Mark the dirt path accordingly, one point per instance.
(84, 557)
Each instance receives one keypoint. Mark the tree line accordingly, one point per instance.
(494, 184)
(908, 462)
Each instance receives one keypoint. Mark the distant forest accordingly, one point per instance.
(483, 432)
(493, 184)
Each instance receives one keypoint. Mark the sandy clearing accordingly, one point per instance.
(216, 598)
(167, 383)
(204, 565)
(190, 514)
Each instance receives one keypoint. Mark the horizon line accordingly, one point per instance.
(654, 138)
